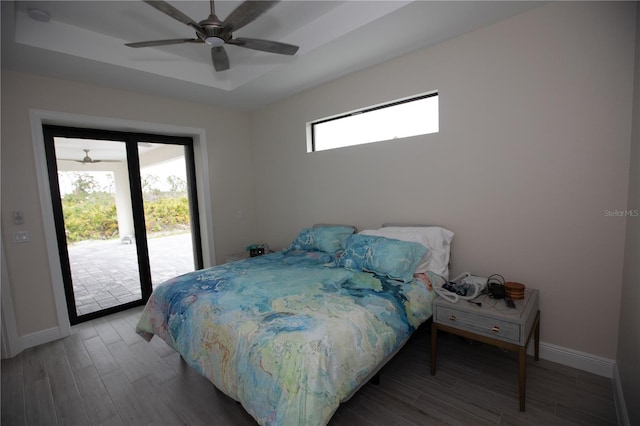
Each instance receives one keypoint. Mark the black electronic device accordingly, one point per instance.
(495, 286)
(258, 249)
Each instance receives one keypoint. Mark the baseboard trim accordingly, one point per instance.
(40, 337)
(618, 398)
(576, 359)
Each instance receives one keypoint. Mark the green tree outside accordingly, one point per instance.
(90, 210)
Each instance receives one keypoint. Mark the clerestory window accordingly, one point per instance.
(417, 115)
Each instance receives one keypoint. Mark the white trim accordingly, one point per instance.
(39, 117)
(618, 397)
(37, 138)
(41, 337)
(11, 344)
(576, 359)
(205, 200)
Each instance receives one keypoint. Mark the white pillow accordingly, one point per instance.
(435, 238)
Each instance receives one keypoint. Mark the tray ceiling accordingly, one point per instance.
(84, 41)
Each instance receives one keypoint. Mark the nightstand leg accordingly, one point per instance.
(522, 361)
(434, 340)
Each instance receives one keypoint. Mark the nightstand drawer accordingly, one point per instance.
(479, 324)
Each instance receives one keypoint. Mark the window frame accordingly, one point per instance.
(311, 136)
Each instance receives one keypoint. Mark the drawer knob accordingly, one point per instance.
(452, 317)
(495, 329)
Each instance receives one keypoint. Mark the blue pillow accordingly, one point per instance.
(383, 256)
(328, 239)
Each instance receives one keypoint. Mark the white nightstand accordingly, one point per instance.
(493, 323)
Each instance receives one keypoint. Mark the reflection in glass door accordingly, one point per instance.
(125, 212)
(168, 222)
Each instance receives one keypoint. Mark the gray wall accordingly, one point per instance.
(629, 333)
(535, 129)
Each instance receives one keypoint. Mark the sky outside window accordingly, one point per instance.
(401, 120)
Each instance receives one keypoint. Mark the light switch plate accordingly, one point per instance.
(20, 236)
(18, 217)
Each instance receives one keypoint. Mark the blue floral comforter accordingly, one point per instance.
(284, 334)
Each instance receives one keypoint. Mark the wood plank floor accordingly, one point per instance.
(105, 374)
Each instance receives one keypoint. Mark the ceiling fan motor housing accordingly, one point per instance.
(213, 32)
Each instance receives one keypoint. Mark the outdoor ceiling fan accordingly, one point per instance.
(216, 33)
(89, 160)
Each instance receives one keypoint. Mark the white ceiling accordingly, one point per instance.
(84, 41)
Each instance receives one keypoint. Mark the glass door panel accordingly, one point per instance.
(96, 207)
(167, 216)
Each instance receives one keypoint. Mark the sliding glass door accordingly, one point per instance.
(126, 216)
(166, 196)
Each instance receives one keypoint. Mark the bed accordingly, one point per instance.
(292, 334)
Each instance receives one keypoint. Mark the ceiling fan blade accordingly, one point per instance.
(265, 45)
(244, 14)
(88, 160)
(93, 161)
(219, 58)
(167, 9)
(163, 42)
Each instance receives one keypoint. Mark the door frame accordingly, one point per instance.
(39, 117)
(130, 141)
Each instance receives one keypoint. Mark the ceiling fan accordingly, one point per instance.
(216, 33)
(89, 160)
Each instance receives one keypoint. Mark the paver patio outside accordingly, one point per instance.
(105, 273)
